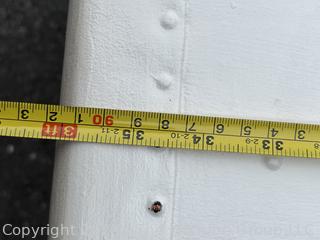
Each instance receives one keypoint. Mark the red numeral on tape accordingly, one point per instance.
(69, 131)
(97, 120)
(109, 120)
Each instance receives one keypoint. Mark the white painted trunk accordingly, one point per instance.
(241, 58)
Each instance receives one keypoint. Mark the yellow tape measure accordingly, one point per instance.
(29, 120)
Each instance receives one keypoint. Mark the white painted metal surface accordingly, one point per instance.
(242, 58)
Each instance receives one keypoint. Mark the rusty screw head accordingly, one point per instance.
(156, 207)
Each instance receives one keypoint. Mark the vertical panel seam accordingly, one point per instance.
(180, 109)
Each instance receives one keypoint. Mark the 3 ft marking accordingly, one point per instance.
(59, 130)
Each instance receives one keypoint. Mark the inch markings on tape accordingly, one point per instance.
(112, 126)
